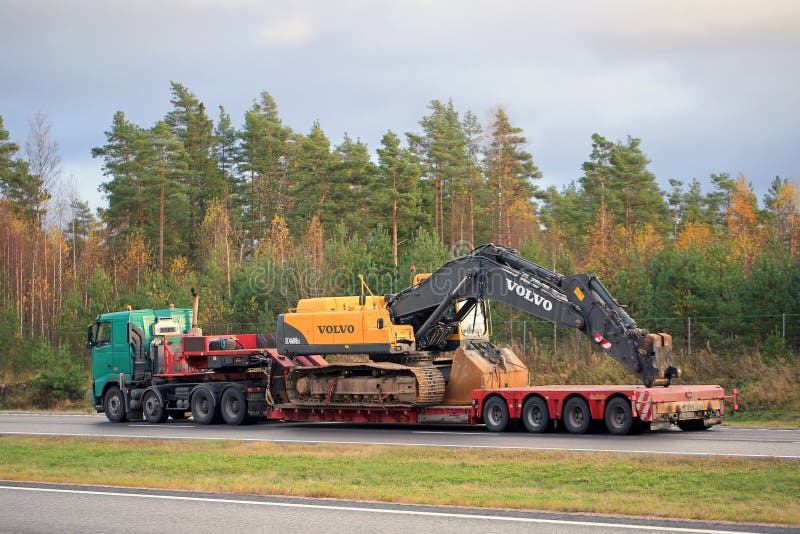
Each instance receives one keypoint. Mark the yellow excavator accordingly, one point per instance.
(429, 344)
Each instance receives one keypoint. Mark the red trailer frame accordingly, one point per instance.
(658, 407)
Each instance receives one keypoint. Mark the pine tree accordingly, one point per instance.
(442, 152)
(396, 186)
(782, 203)
(475, 181)
(350, 179)
(510, 171)
(166, 165)
(621, 190)
(190, 123)
(311, 180)
(718, 201)
(264, 158)
(78, 230)
(123, 162)
(225, 151)
(16, 184)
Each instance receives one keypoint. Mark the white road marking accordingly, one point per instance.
(450, 432)
(369, 510)
(402, 444)
(148, 425)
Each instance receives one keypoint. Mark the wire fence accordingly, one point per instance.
(691, 335)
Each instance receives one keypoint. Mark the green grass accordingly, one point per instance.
(732, 489)
(764, 418)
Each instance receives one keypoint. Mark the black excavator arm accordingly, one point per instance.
(499, 274)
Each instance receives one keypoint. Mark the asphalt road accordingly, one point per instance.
(33, 507)
(718, 441)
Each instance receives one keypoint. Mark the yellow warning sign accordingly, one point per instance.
(579, 293)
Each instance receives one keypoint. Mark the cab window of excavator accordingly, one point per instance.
(474, 323)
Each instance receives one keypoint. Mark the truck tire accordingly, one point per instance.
(204, 407)
(576, 416)
(495, 414)
(153, 407)
(233, 406)
(114, 405)
(535, 415)
(619, 416)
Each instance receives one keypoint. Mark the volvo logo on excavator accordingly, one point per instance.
(336, 329)
(528, 294)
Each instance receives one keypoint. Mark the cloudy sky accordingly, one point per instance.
(709, 86)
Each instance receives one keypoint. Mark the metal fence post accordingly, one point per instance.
(783, 327)
(524, 337)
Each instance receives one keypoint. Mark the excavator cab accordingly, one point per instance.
(476, 322)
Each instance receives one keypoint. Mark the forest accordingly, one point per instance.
(259, 215)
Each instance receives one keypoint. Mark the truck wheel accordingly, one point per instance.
(535, 415)
(204, 407)
(692, 425)
(234, 406)
(619, 416)
(576, 416)
(495, 414)
(153, 407)
(114, 405)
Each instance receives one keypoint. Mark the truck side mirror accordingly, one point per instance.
(90, 337)
(380, 322)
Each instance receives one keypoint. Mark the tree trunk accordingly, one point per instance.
(161, 227)
(471, 218)
(394, 221)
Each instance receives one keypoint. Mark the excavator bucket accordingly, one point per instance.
(659, 348)
(481, 365)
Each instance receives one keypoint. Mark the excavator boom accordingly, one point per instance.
(499, 274)
(426, 319)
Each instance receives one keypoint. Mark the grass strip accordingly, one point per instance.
(764, 418)
(733, 489)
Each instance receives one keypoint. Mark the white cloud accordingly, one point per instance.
(294, 30)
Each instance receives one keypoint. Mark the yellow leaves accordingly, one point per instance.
(314, 241)
(694, 236)
(742, 220)
(787, 213)
(136, 262)
(179, 267)
(522, 220)
(277, 242)
(647, 241)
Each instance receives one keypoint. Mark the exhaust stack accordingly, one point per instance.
(195, 330)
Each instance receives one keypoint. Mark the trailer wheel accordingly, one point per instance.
(619, 416)
(693, 425)
(576, 416)
(234, 406)
(535, 415)
(495, 414)
(114, 405)
(153, 407)
(204, 408)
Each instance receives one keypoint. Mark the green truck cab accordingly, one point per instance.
(119, 343)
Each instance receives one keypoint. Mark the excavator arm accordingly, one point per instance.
(497, 273)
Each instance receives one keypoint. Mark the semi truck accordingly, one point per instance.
(422, 355)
